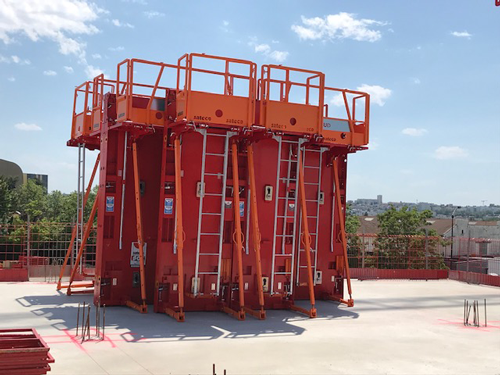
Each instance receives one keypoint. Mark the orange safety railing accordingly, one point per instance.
(101, 86)
(228, 108)
(139, 108)
(350, 128)
(82, 123)
(284, 113)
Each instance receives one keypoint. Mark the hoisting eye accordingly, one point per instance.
(342, 136)
(293, 121)
(218, 113)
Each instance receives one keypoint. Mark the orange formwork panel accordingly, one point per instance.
(233, 105)
(291, 99)
(82, 122)
(149, 107)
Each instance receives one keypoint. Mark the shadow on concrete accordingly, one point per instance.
(62, 311)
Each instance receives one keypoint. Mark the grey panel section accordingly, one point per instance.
(336, 125)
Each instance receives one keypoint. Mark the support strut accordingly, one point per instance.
(141, 308)
(341, 214)
(238, 233)
(256, 237)
(307, 241)
(73, 234)
(179, 234)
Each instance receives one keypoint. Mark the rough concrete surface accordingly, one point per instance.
(396, 327)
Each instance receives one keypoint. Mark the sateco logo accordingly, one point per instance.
(203, 118)
(327, 125)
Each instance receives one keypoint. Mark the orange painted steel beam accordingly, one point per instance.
(238, 233)
(140, 240)
(84, 243)
(179, 238)
(306, 237)
(256, 236)
(338, 204)
(73, 234)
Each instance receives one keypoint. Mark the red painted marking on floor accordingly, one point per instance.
(460, 324)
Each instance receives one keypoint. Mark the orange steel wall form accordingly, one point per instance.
(157, 144)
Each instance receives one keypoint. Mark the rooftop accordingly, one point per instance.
(411, 327)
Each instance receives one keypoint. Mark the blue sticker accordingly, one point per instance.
(168, 208)
(110, 204)
(242, 209)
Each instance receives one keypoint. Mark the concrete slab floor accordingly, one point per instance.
(396, 327)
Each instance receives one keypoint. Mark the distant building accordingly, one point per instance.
(43, 179)
(10, 169)
(486, 235)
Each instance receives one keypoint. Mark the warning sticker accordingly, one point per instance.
(135, 258)
(110, 204)
(168, 207)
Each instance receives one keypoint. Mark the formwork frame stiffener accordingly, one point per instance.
(237, 237)
(306, 237)
(177, 313)
(83, 244)
(256, 236)
(341, 215)
(142, 308)
(75, 228)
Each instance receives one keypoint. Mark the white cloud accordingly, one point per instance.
(461, 34)
(118, 23)
(414, 132)
(14, 59)
(225, 26)
(54, 20)
(11, 79)
(96, 56)
(338, 26)
(450, 153)
(266, 50)
(49, 73)
(116, 49)
(63, 22)
(68, 69)
(92, 71)
(141, 2)
(27, 127)
(416, 81)
(153, 14)
(378, 95)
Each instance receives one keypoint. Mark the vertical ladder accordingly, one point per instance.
(80, 192)
(312, 187)
(283, 201)
(210, 158)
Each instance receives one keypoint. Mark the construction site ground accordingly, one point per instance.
(395, 327)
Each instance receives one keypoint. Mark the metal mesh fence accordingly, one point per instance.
(31, 245)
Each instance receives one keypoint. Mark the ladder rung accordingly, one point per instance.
(311, 250)
(313, 217)
(208, 273)
(213, 194)
(287, 141)
(284, 217)
(305, 266)
(287, 179)
(309, 150)
(291, 199)
(283, 255)
(312, 200)
(284, 235)
(312, 183)
(211, 154)
(214, 174)
(209, 234)
(211, 213)
(310, 167)
(289, 160)
(282, 273)
(215, 135)
(209, 254)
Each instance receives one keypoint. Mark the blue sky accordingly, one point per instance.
(432, 67)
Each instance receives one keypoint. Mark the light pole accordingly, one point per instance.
(452, 226)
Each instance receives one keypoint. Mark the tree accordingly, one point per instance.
(404, 242)
(352, 225)
(31, 199)
(7, 198)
